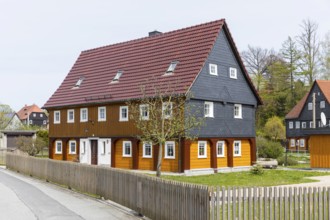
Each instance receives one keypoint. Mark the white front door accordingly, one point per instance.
(104, 151)
(85, 151)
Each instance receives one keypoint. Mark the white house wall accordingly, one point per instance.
(104, 151)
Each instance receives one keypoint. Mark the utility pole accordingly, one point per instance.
(314, 111)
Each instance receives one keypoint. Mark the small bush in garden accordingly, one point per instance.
(290, 161)
(257, 170)
(269, 149)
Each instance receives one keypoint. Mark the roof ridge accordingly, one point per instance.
(156, 36)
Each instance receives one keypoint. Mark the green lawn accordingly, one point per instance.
(268, 178)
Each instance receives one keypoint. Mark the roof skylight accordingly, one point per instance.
(118, 75)
(171, 67)
(79, 82)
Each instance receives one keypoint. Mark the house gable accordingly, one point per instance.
(225, 92)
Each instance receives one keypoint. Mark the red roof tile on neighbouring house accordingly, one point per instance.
(295, 111)
(325, 88)
(143, 62)
(26, 110)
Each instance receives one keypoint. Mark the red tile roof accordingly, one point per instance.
(143, 62)
(324, 86)
(23, 113)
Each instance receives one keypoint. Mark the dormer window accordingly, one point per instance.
(118, 75)
(171, 67)
(78, 83)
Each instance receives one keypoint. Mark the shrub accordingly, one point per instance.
(30, 145)
(290, 161)
(269, 149)
(257, 170)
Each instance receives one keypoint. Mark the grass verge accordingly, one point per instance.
(246, 179)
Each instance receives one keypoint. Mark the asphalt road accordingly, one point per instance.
(22, 197)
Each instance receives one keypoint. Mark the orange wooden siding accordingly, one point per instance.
(55, 155)
(319, 148)
(223, 161)
(199, 163)
(145, 163)
(171, 165)
(71, 157)
(245, 158)
(122, 162)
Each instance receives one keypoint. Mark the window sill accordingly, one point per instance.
(220, 156)
(147, 157)
(123, 120)
(202, 157)
(171, 158)
(127, 155)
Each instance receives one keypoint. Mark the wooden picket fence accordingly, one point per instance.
(150, 196)
(274, 203)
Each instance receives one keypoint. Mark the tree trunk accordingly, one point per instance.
(159, 161)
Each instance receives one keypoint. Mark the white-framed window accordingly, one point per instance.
(30, 122)
(83, 114)
(303, 124)
(233, 73)
(72, 147)
(322, 104)
(290, 124)
(102, 114)
(237, 111)
(144, 112)
(208, 109)
(202, 149)
(311, 125)
(57, 117)
(41, 115)
(310, 106)
(44, 122)
(123, 113)
(103, 147)
(117, 76)
(167, 109)
(220, 149)
(70, 116)
(58, 147)
(147, 149)
(237, 148)
(297, 124)
(170, 149)
(302, 142)
(34, 115)
(213, 69)
(292, 142)
(127, 148)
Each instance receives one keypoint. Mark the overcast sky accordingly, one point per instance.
(40, 40)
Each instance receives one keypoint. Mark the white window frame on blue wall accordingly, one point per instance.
(233, 73)
(290, 124)
(237, 111)
(297, 124)
(213, 69)
(322, 104)
(310, 106)
(208, 109)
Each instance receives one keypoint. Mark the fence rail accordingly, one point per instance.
(150, 196)
(270, 203)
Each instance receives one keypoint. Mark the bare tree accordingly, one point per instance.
(163, 116)
(256, 61)
(4, 119)
(325, 48)
(30, 145)
(309, 46)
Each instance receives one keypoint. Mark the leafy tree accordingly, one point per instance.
(30, 145)
(274, 128)
(269, 149)
(43, 134)
(163, 116)
(326, 57)
(4, 110)
(309, 46)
